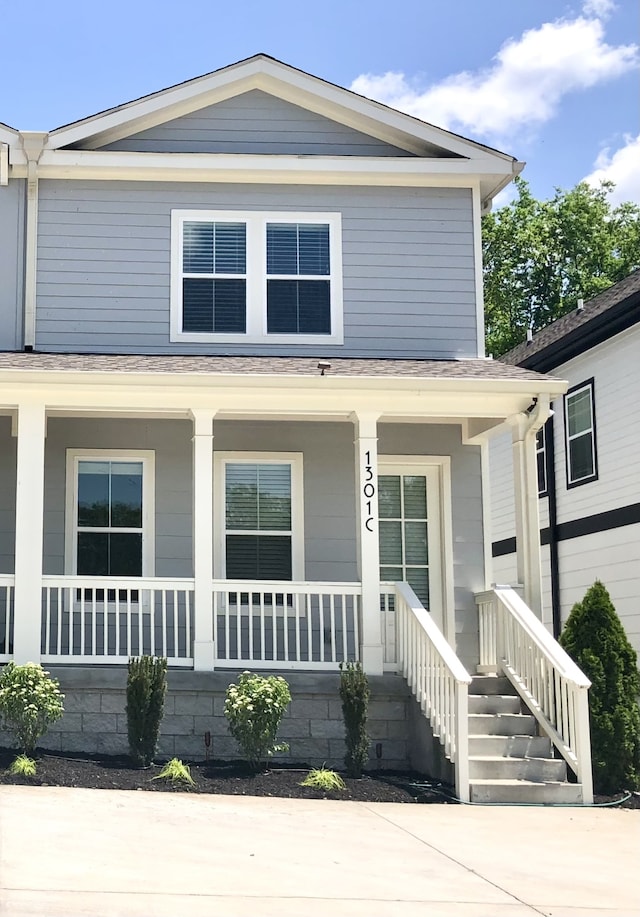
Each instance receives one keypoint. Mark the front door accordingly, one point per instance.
(410, 518)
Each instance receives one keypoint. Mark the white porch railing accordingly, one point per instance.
(7, 612)
(434, 673)
(514, 641)
(102, 620)
(286, 625)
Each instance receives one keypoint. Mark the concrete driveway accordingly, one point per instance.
(99, 853)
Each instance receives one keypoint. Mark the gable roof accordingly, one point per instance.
(607, 314)
(264, 72)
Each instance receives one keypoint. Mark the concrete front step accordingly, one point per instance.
(525, 792)
(538, 770)
(494, 703)
(502, 724)
(509, 746)
(491, 684)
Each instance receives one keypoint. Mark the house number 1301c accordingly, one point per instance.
(368, 491)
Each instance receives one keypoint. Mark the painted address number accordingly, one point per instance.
(368, 491)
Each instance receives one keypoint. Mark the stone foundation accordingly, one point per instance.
(95, 720)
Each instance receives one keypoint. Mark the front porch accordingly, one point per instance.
(273, 522)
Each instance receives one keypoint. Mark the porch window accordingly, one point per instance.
(248, 277)
(261, 538)
(541, 461)
(580, 435)
(110, 514)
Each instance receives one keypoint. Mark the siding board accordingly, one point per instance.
(104, 247)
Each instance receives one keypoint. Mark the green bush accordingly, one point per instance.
(254, 708)
(354, 694)
(146, 689)
(595, 639)
(30, 700)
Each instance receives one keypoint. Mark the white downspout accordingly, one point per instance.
(33, 144)
(528, 556)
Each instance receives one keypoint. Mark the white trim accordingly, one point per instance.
(295, 461)
(256, 276)
(285, 82)
(437, 470)
(147, 457)
(476, 208)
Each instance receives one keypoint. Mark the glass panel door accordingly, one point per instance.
(404, 531)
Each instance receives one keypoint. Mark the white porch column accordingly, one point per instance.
(29, 532)
(366, 455)
(203, 637)
(525, 475)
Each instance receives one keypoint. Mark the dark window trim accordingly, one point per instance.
(588, 383)
(543, 450)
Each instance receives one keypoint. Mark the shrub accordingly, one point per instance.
(176, 772)
(595, 639)
(23, 766)
(254, 708)
(146, 688)
(30, 700)
(321, 778)
(354, 694)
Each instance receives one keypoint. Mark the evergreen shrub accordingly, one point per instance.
(354, 694)
(596, 640)
(146, 689)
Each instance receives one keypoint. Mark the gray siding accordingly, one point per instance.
(7, 496)
(11, 264)
(466, 511)
(256, 122)
(329, 501)
(104, 266)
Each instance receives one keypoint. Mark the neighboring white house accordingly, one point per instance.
(588, 468)
(244, 402)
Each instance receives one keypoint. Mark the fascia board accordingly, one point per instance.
(8, 135)
(223, 167)
(287, 83)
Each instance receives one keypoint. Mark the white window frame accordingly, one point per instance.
(256, 276)
(147, 457)
(437, 470)
(294, 460)
(572, 393)
(541, 450)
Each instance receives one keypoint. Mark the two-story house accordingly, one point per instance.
(245, 410)
(588, 477)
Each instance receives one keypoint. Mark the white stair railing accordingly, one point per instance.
(514, 641)
(437, 678)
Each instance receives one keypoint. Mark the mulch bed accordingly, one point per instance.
(105, 772)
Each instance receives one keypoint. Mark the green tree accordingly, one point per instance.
(540, 257)
(596, 640)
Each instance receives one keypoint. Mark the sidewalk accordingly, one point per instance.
(98, 853)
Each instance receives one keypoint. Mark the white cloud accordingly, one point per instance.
(599, 9)
(522, 88)
(621, 167)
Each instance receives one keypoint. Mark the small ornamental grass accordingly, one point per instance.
(175, 772)
(321, 778)
(23, 766)
(254, 708)
(30, 700)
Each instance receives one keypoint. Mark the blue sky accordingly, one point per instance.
(553, 83)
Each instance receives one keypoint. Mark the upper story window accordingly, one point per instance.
(541, 461)
(242, 277)
(580, 434)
